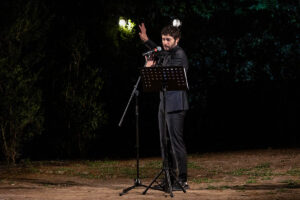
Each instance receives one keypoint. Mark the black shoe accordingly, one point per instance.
(177, 187)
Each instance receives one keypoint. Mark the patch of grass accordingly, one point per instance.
(239, 172)
(128, 172)
(225, 187)
(294, 172)
(214, 172)
(260, 170)
(95, 170)
(110, 171)
(12, 183)
(64, 170)
(282, 190)
(291, 183)
(251, 180)
(263, 166)
(32, 169)
(260, 173)
(51, 163)
(265, 178)
(194, 165)
(154, 164)
(203, 180)
(92, 176)
(240, 187)
(26, 162)
(211, 187)
(279, 174)
(100, 164)
(105, 173)
(270, 193)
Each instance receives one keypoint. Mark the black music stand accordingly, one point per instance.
(164, 79)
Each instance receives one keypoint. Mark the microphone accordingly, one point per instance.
(152, 51)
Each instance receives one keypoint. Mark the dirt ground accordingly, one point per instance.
(271, 174)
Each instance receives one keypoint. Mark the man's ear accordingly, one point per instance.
(177, 40)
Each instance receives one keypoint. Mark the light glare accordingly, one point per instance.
(176, 22)
(122, 23)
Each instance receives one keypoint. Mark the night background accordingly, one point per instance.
(67, 71)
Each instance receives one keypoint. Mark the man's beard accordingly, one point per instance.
(168, 48)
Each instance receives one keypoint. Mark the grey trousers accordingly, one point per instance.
(172, 143)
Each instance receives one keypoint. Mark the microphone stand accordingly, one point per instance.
(137, 181)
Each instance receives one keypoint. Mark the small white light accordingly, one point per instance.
(122, 23)
(176, 22)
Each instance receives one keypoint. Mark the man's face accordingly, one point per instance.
(168, 42)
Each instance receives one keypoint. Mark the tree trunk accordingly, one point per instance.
(4, 143)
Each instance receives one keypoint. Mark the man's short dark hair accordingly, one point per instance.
(172, 31)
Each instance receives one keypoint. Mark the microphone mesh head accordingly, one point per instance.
(158, 48)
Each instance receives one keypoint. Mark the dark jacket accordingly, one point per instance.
(175, 100)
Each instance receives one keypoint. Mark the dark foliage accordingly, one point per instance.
(68, 71)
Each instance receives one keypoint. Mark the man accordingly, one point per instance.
(176, 102)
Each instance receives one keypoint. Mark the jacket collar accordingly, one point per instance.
(174, 49)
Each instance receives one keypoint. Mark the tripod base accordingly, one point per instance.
(168, 186)
(137, 183)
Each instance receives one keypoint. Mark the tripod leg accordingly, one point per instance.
(137, 183)
(127, 189)
(167, 175)
(153, 181)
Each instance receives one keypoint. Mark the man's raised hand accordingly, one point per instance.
(143, 34)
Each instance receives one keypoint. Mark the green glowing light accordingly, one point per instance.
(126, 26)
(130, 25)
